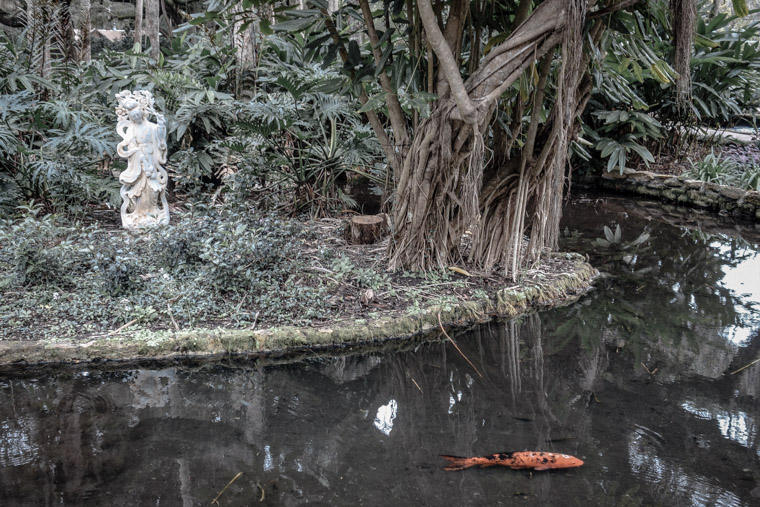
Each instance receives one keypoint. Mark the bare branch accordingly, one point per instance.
(624, 4)
(374, 121)
(448, 63)
(396, 114)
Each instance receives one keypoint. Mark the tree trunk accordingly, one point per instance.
(715, 8)
(152, 27)
(85, 53)
(245, 54)
(438, 193)
(684, 14)
(39, 37)
(138, 33)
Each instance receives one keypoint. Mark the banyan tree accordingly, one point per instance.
(446, 186)
(502, 183)
(506, 80)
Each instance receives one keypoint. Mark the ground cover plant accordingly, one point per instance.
(735, 166)
(211, 265)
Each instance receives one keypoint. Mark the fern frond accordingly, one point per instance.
(82, 137)
(8, 142)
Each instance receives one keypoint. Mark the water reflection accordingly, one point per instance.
(691, 289)
(633, 379)
(734, 425)
(385, 416)
(671, 479)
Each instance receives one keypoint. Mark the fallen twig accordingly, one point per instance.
(415, 382)
(169, 308)
(263, 493)
(216, 500)
(122, 327)
(252, 327)
(456, 346)
(647, 369)
(745, 366)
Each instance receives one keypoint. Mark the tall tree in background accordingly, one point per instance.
(151, 26)
(138, 32)
(85, 52)
(39, 37)
(244, 40)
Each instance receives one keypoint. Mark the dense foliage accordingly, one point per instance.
(334, 96)
(634, 111)
(297, 137)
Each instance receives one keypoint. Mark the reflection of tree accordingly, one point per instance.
(69, 427)
(304, 433)
(516, 405)
(667, 294)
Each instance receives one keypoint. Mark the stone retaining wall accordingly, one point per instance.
(731, 200)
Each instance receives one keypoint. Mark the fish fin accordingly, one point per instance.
(542, 467)
(457, 462)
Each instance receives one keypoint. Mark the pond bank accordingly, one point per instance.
(570, 277)
(681, 190)
(671, 177)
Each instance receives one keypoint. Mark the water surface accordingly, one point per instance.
(635, 379)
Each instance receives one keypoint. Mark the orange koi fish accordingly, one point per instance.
(515, 460)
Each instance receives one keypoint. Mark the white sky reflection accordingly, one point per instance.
(385, 417)
(744, 282)
(736, 426)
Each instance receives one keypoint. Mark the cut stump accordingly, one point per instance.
(366, 229)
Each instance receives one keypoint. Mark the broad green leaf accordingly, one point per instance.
(373, 103)
(740, 8)
(703, 41)
(384, 59)
(293, 25)
(609, 235)
(354, 54)
(495, 40)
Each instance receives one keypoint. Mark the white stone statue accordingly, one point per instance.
(143, 190)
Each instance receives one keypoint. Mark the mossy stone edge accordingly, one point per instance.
(287, 341)
(683, 191)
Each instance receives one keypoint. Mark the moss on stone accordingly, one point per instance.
(685, 191)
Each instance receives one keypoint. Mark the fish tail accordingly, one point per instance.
(458, 462)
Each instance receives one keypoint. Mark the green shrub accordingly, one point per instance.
(712, 169)
(750, 179)
(39, 252)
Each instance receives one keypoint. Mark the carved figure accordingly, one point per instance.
(143, 191)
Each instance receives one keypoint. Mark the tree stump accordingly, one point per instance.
(366, 229)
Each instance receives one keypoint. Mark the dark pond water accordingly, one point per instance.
(635, 379)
